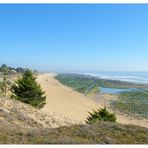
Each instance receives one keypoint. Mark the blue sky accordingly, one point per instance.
(75, 38)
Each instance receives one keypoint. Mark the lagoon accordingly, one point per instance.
(115, 90)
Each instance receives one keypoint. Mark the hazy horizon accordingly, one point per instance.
(75, 38)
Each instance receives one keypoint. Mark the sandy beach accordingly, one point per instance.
(65, 101)
(70, 104)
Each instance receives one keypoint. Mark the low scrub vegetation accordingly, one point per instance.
(77, 83)
(8, 70)
(89, 85)
(100, 133)
(5, 86)
(135, 102)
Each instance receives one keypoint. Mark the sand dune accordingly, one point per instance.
(65, 101)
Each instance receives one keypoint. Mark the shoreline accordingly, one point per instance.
(136, 77)
(75, 106)
(67, 104)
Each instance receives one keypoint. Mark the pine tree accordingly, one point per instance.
(27, 90)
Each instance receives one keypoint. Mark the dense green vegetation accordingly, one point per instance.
(81, 84)
(100, 133)
(100, 115)
(27, 90)
(90, 85)
(135, 102)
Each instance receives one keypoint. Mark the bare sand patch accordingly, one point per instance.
(64, 101)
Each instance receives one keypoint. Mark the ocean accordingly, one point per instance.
(135, 77)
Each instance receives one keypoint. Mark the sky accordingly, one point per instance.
(75, 38)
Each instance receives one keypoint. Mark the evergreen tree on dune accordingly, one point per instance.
(101, 115)
(27, 90)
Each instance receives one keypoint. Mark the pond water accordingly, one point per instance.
(115, 90)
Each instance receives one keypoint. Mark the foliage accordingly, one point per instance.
(27, 90)
(100, 133)
(10, 70)
(80, 84)
(100, 115)
(94, 90)
(5, 86)
(134, 102)
(89, 85)
(20, 70)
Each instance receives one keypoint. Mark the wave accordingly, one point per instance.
(139, 78)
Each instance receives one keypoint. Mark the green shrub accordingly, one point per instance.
(134, 102)
(100, 115)
(27, 90)
(5, 86)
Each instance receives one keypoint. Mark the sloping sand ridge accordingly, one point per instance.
(65, 101)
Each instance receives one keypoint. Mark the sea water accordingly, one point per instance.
(134, 77)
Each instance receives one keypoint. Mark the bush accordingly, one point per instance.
(27, 90)
(101, 115)
(5, 86)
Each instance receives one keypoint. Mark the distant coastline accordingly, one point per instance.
(134, 77)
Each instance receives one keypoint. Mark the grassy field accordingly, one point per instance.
(100, 133)
(135, 103)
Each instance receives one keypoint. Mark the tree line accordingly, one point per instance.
(4, 69)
